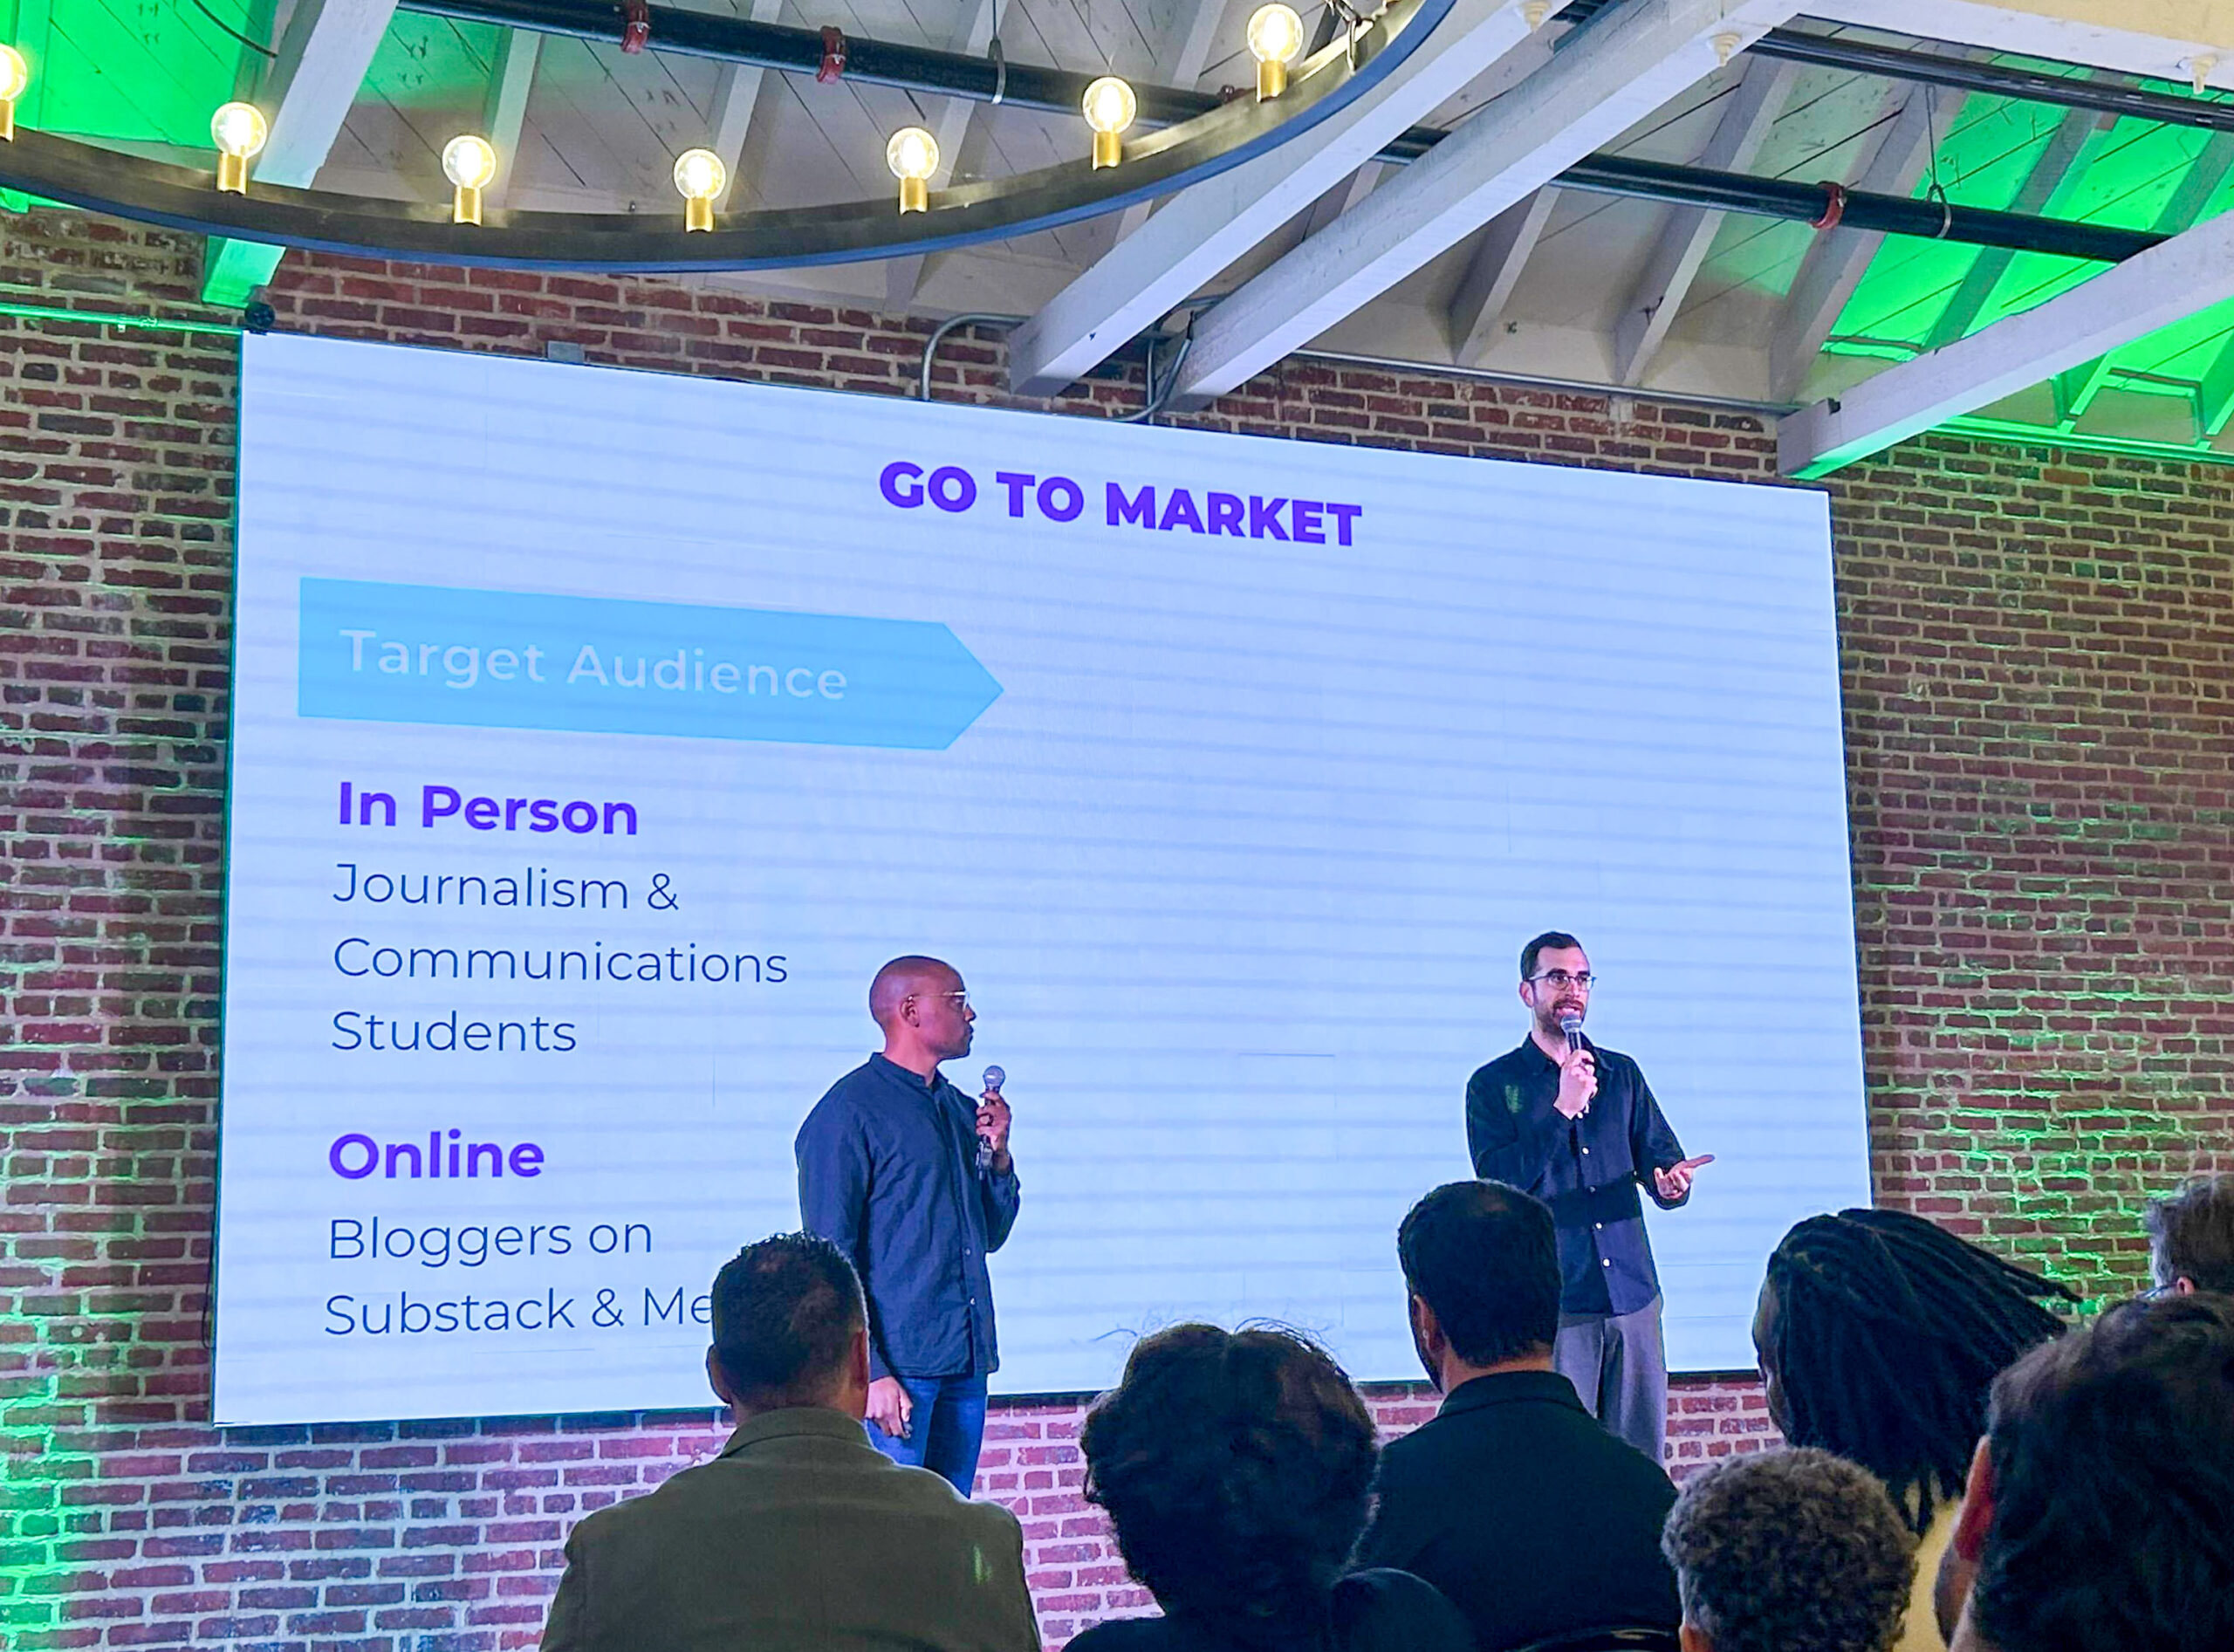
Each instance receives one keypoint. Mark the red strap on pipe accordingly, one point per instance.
(834, 55)
(635, 25)
(1835, 210)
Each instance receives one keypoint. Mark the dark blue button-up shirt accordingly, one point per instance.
(888, 1173)
(1587, 1169)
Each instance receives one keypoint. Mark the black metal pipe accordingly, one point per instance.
(2117, 97)
(1827, 204)
(956, 74)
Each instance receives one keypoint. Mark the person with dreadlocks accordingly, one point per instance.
(1880, 1334)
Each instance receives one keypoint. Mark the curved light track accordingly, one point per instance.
(1157, 163)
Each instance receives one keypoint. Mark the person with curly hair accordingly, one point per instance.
(1793, 1551)
(1236, 1468)
(1880, 1334)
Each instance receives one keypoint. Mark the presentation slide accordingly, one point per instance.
(598, 734)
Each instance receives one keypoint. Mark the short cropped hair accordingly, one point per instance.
(2191, 1234)
(1793, 1551)
(785, 1310)
(1485, 1258)
(1549, 941)
(1237, 1469)
(2112, 1463)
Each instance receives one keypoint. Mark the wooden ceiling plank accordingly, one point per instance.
(1478, 306)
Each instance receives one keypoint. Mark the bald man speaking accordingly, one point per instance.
(891, 1171)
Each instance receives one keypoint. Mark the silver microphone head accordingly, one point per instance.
(995, 1078)
(1571, 1025)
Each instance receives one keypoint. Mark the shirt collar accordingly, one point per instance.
(1506, 1388)
(816, 1421)
(892, 1069)
(1529, 1048)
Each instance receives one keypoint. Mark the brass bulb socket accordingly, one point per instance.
(915, 194)
(697, 214)
(1271, 79)
(7, 120)
(232, 173)
(1109, 149)
(465, 205)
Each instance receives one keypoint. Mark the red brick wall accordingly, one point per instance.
(2034, 650)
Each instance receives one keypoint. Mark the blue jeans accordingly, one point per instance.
(944, 1430)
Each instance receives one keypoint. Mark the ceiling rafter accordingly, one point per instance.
(1621, 67)
(1491, 273)
(1203, 230)
(503, 112)
(1688, 233)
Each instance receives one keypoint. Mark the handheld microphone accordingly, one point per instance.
(994, 1079)
(1571, 1024)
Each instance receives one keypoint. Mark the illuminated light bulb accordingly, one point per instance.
(913, 155)
(15, 75)
(1110, 106)
(1275, 40)
(469, 163)
(238, 130)
(699, 177)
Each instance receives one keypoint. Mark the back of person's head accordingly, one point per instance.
(785, 1312)
(1484, 1257)
(2191, 1235)
(1879, 1335)
(2111, 1461)
(1791, 1551)
(1236, 1468)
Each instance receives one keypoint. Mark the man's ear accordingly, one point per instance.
(857, 1357)
(1975, 1519)
(1692, 1638)
(2183, 1287)
(717, 1382)
(1426, 1330)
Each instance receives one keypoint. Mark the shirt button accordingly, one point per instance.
(1586, 1153)
(1605, 1263)
(1600, 1226)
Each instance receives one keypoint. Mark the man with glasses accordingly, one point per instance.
(914, 1182)
(1577, 1125)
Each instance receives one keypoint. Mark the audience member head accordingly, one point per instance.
(2191, 1237)
(1879, 1336)
(1791, 1551)
(1480, 1260)
(789, 1328)
(1236, 1468)
(2101, 1505)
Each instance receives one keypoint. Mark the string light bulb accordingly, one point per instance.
(1110, 106)
(239, 131)
(1275, 40)
(913, 155)
(471, 164)
(699, 178)
(15, 75)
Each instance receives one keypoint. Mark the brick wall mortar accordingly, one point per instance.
(2034, 654)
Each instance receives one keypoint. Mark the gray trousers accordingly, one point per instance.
(1619, 1368)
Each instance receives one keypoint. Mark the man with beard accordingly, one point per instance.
(1577, 1125)
(914, 1182)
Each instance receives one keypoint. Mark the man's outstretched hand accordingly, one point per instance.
(1676, 1181)
(889, 1406)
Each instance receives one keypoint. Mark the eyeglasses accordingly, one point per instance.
(1560, 980)
(959, 1000)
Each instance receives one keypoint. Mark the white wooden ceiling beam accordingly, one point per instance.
(1688, 233)
(736, 101)
(1202, 229)
(1832, 266)
(503, 111)
(323, 57)
(1627, 63)
(2161, 37)
(1492, 273)
(2054, 174)
(2154, 289)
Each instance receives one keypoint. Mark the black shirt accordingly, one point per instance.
(1587, 1169)
(888, 1173)
(1526, 1514)
(1371, 1612)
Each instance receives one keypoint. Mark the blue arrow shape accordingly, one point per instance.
(522, 659)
